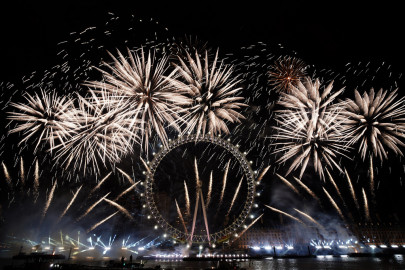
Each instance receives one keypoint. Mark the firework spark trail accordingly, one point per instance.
(310, 218)
(101, 222)
(131, 181)
(126, 191)
(145, 165)
(335, 186)
(70, 204)
(181, 217)
(366, 209)
(248, 227)
(120, 208)
(262, 174)
(100, 183)
(286, 214)
(6, 174)
(48, 202)
(224, 183)
(372, 178)
(235, 196)
(197, 177)
(36, 178)
(307, 189)
(288, 184)
(209, 192)
(352, 190)
(334, 205)
(22, 172)
(92, 206)
(187, 199)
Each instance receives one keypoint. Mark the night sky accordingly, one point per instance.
(329, 34)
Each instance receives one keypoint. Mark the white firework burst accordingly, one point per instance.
(140, 80)
(309, 127)
(44, 118)
(214, 92)
(375, 121)
(104, 132)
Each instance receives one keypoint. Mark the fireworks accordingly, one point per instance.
(103, 132)
(214, 94)
(120, 208)
(310, 218)
(286, 214)
(6, 174)
(92, 206)
(366, 209)
(235, 196)
(334, 204)
(140, 80)
(309, 128)
(70, 204)
(286, 72)
(209, 192)
(126, 191)
(375, 121)
(101, 222)
(224, 182)
(45, 115)
(288, 183)
(187, 198)
(48, 202)
(181, 216)
(100, 183)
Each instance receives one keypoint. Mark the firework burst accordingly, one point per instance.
(139, 79)
(375, 121)
(45, 117)
(104, 132)
(213, 91)
(309, 127)
(286, 71)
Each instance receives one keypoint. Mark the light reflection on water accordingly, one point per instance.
(324, 263)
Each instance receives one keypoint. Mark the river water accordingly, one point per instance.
(324, 263)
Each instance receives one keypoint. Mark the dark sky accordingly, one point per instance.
(328, 33)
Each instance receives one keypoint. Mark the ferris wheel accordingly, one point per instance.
(199, 189)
